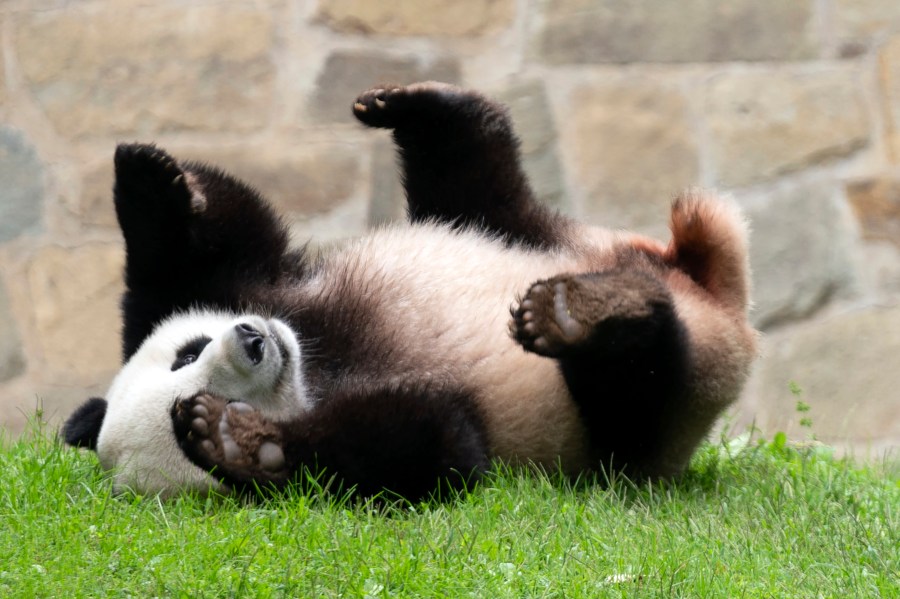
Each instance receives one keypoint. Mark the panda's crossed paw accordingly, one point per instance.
(231, 440)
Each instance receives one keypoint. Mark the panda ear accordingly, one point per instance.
(83, 426)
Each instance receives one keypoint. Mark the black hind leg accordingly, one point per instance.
(624, 354)
(193, 236)
(461, 160)
(414, 443)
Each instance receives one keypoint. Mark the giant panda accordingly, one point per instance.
(487, 328)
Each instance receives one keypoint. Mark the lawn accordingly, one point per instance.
(751, 518)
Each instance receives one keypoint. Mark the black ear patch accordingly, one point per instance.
(83, 426)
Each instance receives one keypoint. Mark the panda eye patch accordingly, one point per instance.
(190, 351)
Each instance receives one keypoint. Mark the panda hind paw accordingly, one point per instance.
(543, 323)
(231, 440)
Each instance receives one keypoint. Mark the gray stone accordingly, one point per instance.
(346, 74)
(623, 31)
(767, 123)
(632, 149)
(529, 109)
(388, 203)
(801, 250)
(845, 369)
(22, 191)
(12, 360)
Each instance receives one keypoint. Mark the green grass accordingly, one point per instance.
(749, 520)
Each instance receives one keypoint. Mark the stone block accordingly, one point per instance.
(296, 177)
(767, 123)
(530, 111)
(388, 202)
(858, 22)
(142, 70)
(890, 84)
(22, 191)
(347, 73)
(74, 294)
(624, 31)
(802, 248)
(631, 149)
(876, 204)
(12, 358)
(96, 204)
(844, 370)
(417, 17)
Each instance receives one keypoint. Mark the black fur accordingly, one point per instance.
(413, 442)
(460, 161)
(180, 253)
(83, 426)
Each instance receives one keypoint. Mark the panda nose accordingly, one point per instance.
(251, 340)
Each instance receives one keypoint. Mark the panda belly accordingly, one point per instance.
(445, 298)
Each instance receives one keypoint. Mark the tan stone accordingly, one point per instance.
(96, 205)
(876, 204)
(149, 69)
(890, 83)
(856, 22)
(845, 369)
(632, 150)
(74, 296)
(621, 31)
(295, 177)
(766, 123)
(418, 17)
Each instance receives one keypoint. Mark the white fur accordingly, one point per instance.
(136, 441)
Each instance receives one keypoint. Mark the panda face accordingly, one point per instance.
(240, 357)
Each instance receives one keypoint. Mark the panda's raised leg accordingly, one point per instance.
(460, 160)
(411, 442)
(623, 352)
(191, 232)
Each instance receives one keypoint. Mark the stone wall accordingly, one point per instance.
(793, 107)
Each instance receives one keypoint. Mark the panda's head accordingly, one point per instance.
(240, 357)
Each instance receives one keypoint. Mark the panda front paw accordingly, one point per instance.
(231, 440)
(152, 189)
(392, 106)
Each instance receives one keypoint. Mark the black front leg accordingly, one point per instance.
(461, 160)
(193, 236)
(413, 443)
